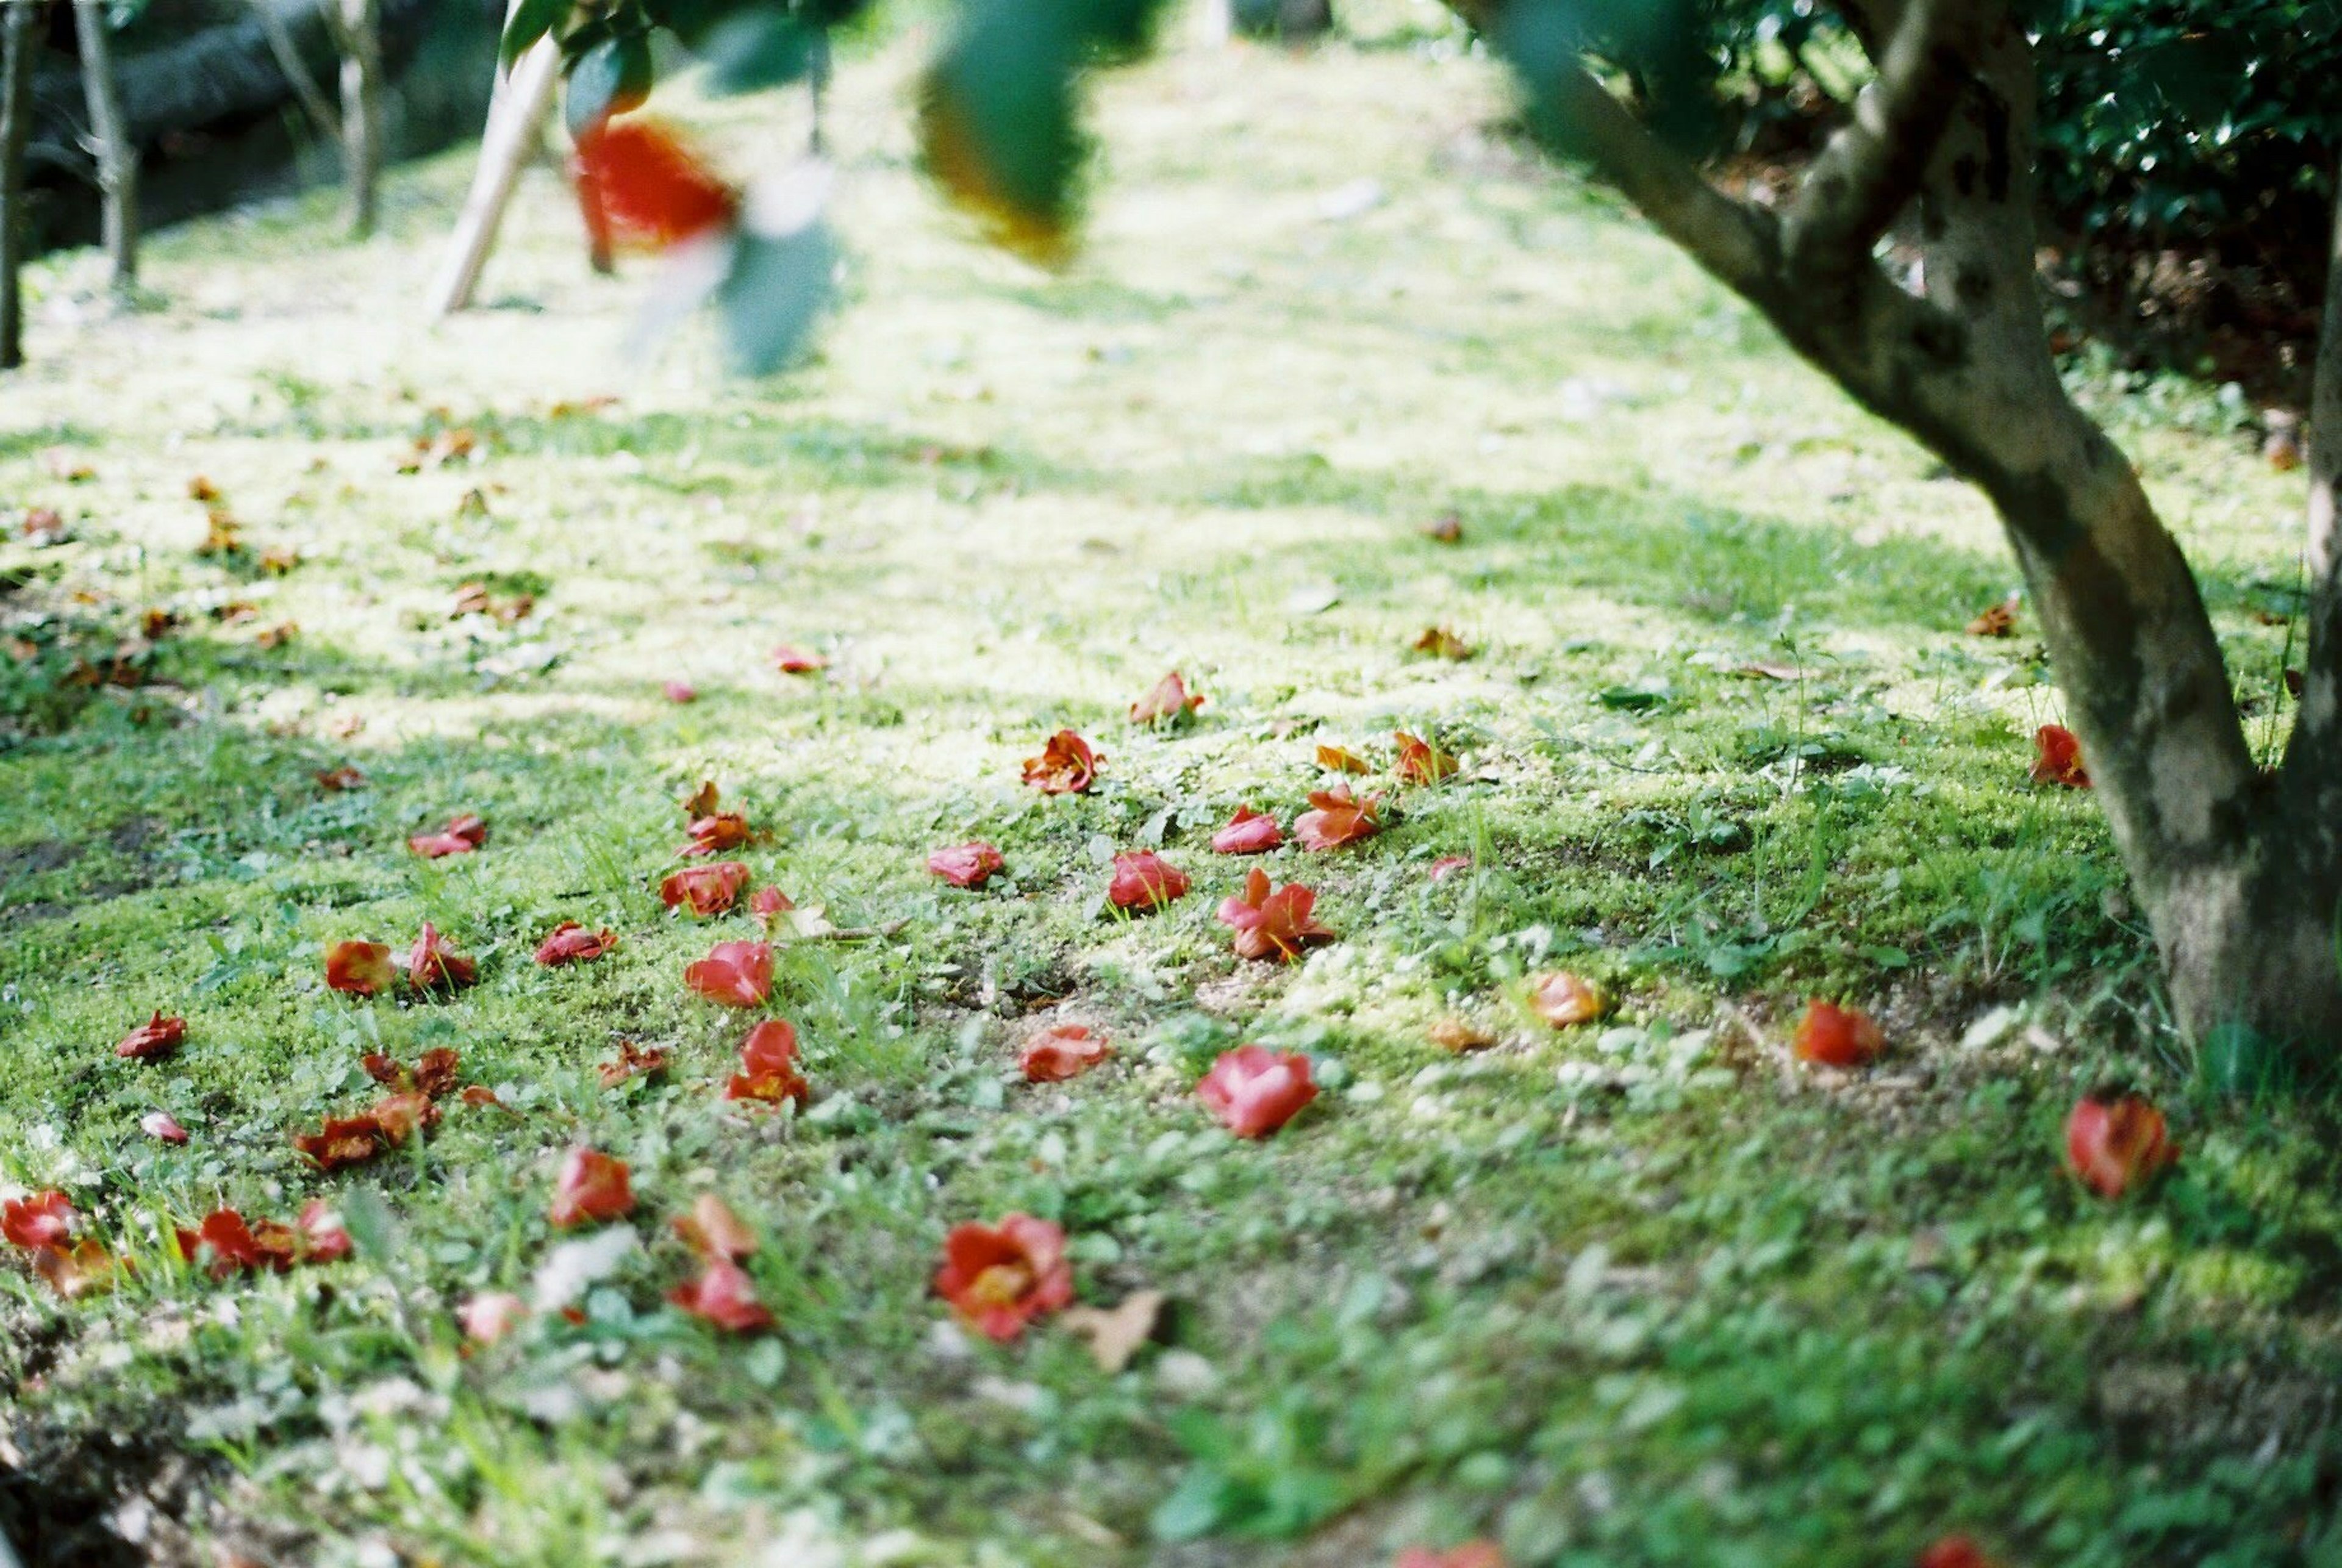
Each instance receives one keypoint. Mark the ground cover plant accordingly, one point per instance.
(325, 632)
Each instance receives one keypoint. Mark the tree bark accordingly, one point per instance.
(19, 38)
(523, 101)
(361, 125)
(117, 156)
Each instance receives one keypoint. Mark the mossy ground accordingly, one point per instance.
(1637, 1293)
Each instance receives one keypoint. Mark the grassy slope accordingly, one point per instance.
(1633, 1294)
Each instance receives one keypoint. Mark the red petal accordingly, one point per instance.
(592, 1187)
(1060, 1052)
(651, 189)
(1837, 1036)
(1255, 1091)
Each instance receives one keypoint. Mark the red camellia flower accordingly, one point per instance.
(648, 187)
(489, 1317)
(158, 1037)
(713, 1231)
(966, 864)
(462, 835)
(768, 1065)
(163, 1127)
(704, 890)
(1060, 1052)
(1338, 820)
(1471, 1554)
(1067, 765)
(319, 1232)
(229, 1243)
(1248, 831)
(792, 661)
(724, 1296)
(85, 1268)
(42, 1219)
(1566, 1001)
(1001, 1277)
(345, 1141)
(1144, 880)
(432, 966)
(736, 973)
(360, 968)
(2114, 1144)
(1955, 1552)
(1168, 703)
(715, 832)
(1273, 924)
(680, 692)
(571, 943)
(1423, 762)
(767, 904)
(592, 1187)
(1837, 1036)
(2060, 758)
(1255, 1091)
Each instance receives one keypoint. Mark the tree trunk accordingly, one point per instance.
(362, 127)
(117, 156)
(19, 38)
(523, 101)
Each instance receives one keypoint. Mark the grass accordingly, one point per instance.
(1640, 1292)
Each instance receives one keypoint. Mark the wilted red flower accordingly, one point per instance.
(1060, 1052)
(791, 661)
(736, 973)
(232, 1247)
(1837, 1036)
(1565, 1000)
(592, 1187)
(400, 1116)
(704, 801)
(1144, 880)
(1342, 759)
(725, 1297)
(1442, 644)
(1955, 1552)
(2060, 758)
(966, 864)
(489, 1317)
(713, 1231)
(646, 185)
(462, 835)
(631, 1061)
(1001, 1277)
(163, 1127)
(1997, 620)
(319, 1234)
(714, 834)
(570, 942)
(344, 1140)
(360, 968)
(42, 1219)
(1471, 1554)
(1067, 765)
(157, 1038)
(2114, 1144)
(1447, 866)
(1423, 762)
(767, 904)
(1248, 831)
(768, 1065)
(84, 1268)
(1255, 1091)
(680, 692)
(432, 966)
(434, 1074)
(706, 890)
(1169, 701)
(1273, 922)
(336, 780)
(1337, 819)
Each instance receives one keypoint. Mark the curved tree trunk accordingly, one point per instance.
(117, 156)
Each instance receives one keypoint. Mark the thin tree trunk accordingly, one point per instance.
(314, 103)
(362, 128)
(523, 101)
(19, 38)
(117, 159)
(817, 90)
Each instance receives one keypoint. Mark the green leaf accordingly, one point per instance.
(610, 78)
(758, 49)
(532, 20)
(773, 294)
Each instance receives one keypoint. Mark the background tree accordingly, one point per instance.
(116, 154)
(19, 39)
(359, 26)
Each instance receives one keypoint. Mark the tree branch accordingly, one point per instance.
(1875, 165)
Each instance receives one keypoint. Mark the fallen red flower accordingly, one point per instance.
(2060, 758)
(680, 692)
(767, 904)
(1421, 761)
(1447, 866)
(231, 1247)
(343, 1142)
(1339, 819)
(592, 1187)
(360, 968)
(1442, 644)
(157, 1038)
(163, 1127)
(345, 777)
(1273, 924)
(1837, 1036)
(647, 185)
(716, 833)
(570, 942)
(713, 1231)
(736, 973)
(631, 1061)
(1248, 831)
(791, 661)
(2116, 1144)
(488, 1318)
(1169, 701)
(462, 835)
(1253, 1091)
(319, 1235)
(768, 1065)
(1471, 1554)
(433, 1075)
(1144, 880)
(1341, 760)
(1060, 1052)
(42, 1219)
(1565, 1000)
(1955, 1552)
(431, 964)
(84, 1268)
(401, 1116)
(706, 890)
(966, 865)
(1001, 1277)
(1067, 765)
(724, 1296)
